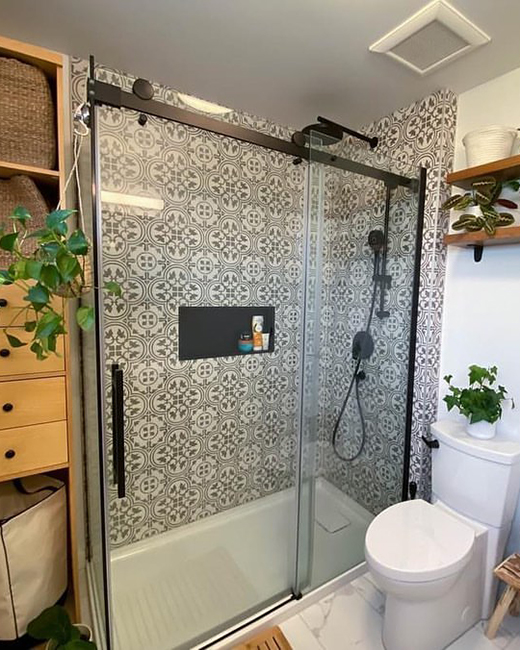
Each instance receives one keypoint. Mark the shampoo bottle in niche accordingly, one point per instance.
(257, 326)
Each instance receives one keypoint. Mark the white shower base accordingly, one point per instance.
(174, 587)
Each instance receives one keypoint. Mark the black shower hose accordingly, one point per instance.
(357, 377)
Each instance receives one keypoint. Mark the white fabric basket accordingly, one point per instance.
(33, 550)
(488, 144)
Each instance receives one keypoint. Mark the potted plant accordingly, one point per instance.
(480, 402)
(54, 626)
(54, 272)
(482, 208)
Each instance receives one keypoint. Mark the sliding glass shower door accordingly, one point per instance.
(361, 290)
(200, 446)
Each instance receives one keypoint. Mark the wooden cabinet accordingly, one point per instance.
(36, 434)
(33, 449)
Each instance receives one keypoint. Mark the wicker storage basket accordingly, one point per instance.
(27, 115)
(21, 190)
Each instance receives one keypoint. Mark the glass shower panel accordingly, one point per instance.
(204, 533)
(360, 354)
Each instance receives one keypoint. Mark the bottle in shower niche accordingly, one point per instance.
(257, 325)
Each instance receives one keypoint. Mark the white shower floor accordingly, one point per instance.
(172, 588)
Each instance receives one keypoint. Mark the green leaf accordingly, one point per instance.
(14, 342)
(78, 243)
(50, 276)
(20, 269)
(48, 324)
(33, 269)
(53, 623)
(85, 317)
(21, 215)
(113, 287)
(38, 351)
(514, 185)
(30, 325)
(38, 295)
(41, 232)
(5, 278)
(68, 266)
(57, 217)
(7, 242)
(51, 250)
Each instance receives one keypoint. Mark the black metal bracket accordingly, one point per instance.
(431, 444)
(477, 252)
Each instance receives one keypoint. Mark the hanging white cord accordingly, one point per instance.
(81, 131)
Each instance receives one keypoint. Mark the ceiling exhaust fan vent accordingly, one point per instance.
(434, 36)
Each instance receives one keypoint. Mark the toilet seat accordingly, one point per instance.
(414, 541)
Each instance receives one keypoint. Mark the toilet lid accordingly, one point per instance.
(414, 541)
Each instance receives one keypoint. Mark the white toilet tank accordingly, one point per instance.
(477, 478)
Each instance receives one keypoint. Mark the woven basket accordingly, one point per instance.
(27, 116)
(21, 190)
(488, 144)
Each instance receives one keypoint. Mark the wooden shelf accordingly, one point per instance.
(48, 177)
(506, 169)
(507, 235)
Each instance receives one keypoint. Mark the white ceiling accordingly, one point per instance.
(288, 60)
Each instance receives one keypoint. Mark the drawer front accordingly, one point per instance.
(31, 449)
(21, 361)
(32, 401)
(11, 299)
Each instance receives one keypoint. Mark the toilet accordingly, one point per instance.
(435, 561)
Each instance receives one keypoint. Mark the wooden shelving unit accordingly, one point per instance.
(506, 169)
(21, 370)
(503, 170)
(50, 177)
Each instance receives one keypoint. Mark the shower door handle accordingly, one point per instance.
(118, 430)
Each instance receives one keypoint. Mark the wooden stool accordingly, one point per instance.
(271, 639)
(509, 572)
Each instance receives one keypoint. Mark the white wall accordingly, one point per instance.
(481, 320)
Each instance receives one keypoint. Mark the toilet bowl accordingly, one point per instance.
(435, 562)
(418, 554)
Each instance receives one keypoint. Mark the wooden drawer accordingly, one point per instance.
(10, 314)
(32, 401)
(29, 450)
(21, 361)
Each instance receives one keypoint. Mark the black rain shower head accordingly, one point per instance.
(322, 134)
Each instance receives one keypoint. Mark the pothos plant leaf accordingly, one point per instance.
(52, 274)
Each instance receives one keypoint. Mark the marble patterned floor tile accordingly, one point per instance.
(475, 639)
(299, 635)
(367, 590)
(344, 620)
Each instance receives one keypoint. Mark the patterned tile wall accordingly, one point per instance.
(204, 436)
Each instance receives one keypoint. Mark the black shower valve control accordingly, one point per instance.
(385, 280)
(432, 444)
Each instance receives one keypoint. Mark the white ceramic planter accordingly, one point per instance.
(482, 430)
(84, 630)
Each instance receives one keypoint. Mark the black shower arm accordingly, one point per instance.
(372, 141)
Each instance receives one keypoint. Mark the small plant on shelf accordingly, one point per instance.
(54, 626)
(54, 272)
(480, 402)
(485, 195)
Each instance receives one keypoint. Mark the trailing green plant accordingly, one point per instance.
(485, 193)
(479, 401)
(54, 625)
(54, 272)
